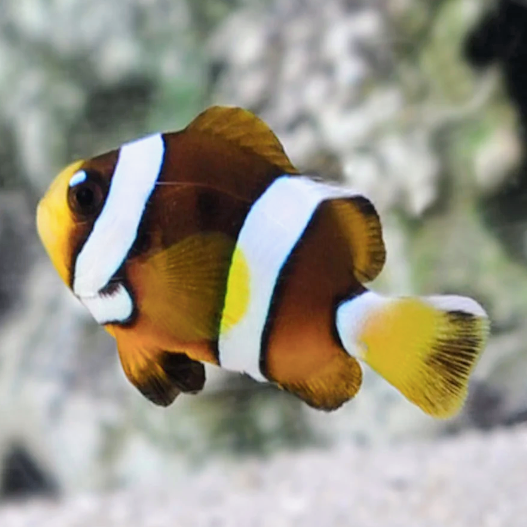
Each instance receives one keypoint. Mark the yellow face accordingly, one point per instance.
(67, 212)
(56, 222)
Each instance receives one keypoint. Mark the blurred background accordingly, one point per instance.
(422, 105)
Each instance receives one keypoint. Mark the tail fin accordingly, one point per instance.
(426, 347)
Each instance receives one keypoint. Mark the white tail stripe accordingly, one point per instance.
(351, 316)
(271, 230)
(115, 230)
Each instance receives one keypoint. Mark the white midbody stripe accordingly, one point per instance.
(115, 230)
(272, 228)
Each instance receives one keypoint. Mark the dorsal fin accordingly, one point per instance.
(361, 226)
(244, 129)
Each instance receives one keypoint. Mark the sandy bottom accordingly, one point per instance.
(469, 481)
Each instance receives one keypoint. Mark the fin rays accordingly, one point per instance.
(184, 285)
(330, 388)
(427, 351)
(244, 129)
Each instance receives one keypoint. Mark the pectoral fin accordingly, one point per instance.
(181, 289)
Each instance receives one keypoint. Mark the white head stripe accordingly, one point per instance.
(115, 307)
(271, 230)
(115, 229)
(77, 178)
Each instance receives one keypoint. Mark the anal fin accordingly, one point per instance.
(332, 386)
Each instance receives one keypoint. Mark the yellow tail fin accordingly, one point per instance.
(426, 347)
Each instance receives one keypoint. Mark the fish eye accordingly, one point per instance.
(85, 194)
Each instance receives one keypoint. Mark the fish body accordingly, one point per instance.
(207, 246)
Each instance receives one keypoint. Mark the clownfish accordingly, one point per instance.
(207, 245)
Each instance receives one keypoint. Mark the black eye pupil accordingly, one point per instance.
(85, 197)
